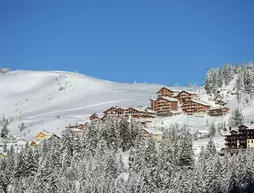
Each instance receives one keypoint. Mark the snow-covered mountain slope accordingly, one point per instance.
(53, 100)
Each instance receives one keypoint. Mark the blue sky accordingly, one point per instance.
(166, 41)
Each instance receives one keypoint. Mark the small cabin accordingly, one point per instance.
(43, 135)
(154, 133)
(35, 143)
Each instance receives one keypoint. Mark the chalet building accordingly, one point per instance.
(43, 135)
(165, 91)
(77, 126)
(152, 132)
(153, 104)
(110, 110)
(54, 136)
(166, 104)
(146, 123)
(134, 112)
(218, 111)
(141, 112)
(240, 138)
(94, 118)
(194, 106)
(36, 143)
(185, 96)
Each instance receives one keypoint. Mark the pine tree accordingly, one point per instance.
(125, 135)
(210, 150)
(5, 147)
(4, 131)
(186, 155)
(248, 80)
(236, 118)
(212, 130)
(228, 73)
(236, 68)
(22, 126)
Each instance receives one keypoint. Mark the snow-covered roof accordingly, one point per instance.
(143, 108)
(38, 142)
(189, 92)
(203, 131)
(169, 98)
(173, 90)
(46, 133)
(176, 112)
(99, 115)
(76, 129)
(218, 107)
(249, 125)
(153, 131)
(151, 111)
(200, 102)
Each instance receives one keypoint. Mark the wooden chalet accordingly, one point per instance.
(140, 112)
(193, 106)
(152, 132)
(165, 91)
(166, 104)
(218, 111)
(54, 136)
(43, 135)
(240, 138)
(36, 143)
(153, 104)
(111, 110)
(94, 118)
(185, 96)
(77, 126)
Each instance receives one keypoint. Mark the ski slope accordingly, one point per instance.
(51, 100)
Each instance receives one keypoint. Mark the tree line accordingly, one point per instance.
(93, 162)
(243, 74)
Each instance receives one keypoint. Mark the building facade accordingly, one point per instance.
(218, 111)
(192, 106)
(167, 92)
(240, 138)
(185, 96)
(165, 105)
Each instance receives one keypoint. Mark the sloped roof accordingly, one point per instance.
(168, 88)
(248, 125)
(218, 107)
(153, 131)
(200, 102)
(38, 142)
(169, 98)
(189, 92)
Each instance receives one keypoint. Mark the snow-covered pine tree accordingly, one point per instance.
(22, 126)
(210, 150)
(186, 154)
(236, 118)
(248, 80)
(212, 130)
(228, 73)
(4, 131)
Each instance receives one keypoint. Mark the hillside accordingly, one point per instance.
(53, 100)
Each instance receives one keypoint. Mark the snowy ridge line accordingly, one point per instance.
(84, 107)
